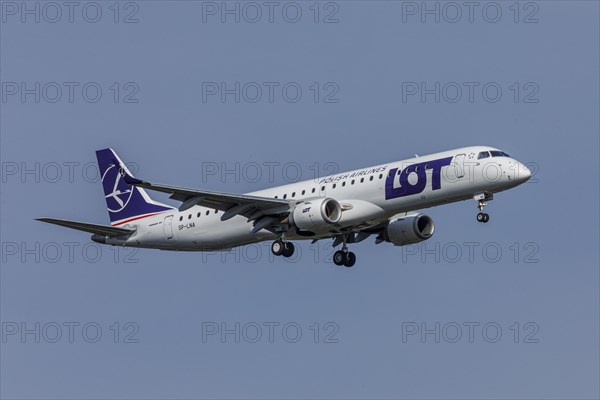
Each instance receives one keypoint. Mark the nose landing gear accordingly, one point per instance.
(483, 217)
(482, 200)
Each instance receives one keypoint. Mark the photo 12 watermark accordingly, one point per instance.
(60, 171)
(270, 92)
(470, 92)
(428, 252)
(267, 172)
(69, 92)
(270, 12)
(435, 332)
(69, 12)
(86, 252)
(470, 12)
(69, 332)
(270, 332)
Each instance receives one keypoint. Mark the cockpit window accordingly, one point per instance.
(483, 154)
(496, 153)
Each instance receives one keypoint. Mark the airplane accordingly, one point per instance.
(348, 207)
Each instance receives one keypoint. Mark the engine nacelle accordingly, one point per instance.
(316, 214)
(409, 229)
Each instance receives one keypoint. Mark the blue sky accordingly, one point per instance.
(145, 85)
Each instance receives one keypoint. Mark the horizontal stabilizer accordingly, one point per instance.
(91, 228)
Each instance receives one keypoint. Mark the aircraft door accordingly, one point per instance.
(459, 165)
(168, 227)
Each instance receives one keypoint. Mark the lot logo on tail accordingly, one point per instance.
(118, 193)
(420, 170)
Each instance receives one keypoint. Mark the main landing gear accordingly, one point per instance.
(281, 248)
(343, 256)
(482, 200)
(347, 258)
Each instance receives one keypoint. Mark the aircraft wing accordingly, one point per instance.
(252, 207)
(86, 227)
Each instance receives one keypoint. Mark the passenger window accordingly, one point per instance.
(285, 196)
(362, 180)
(293, 194)
(190, 216)
(275, 196)
(322, 188)
(181, 218)
(198, 216)
(313, 190)
(380, 176)
(352, 183)
(216, 211)
(483, 154)
(303, 192)
(334, 185)
(207, 212)
(371, 178)
(343, 183)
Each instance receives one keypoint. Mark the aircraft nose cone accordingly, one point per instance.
(523, 174)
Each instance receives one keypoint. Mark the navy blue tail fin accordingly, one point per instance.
(125, 203)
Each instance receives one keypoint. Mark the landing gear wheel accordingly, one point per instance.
(288, 249)
(277, 247)
(340, 258)
(482, 200)
(350, 260)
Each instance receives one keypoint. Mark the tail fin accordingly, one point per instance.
(125, 203)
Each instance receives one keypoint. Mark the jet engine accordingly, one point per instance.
(316, 214)
(409, 229)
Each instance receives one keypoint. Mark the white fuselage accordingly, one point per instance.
(444, 177)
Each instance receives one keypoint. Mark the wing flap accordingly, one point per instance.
(87, 227)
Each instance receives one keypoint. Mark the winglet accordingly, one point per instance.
(130, 180)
